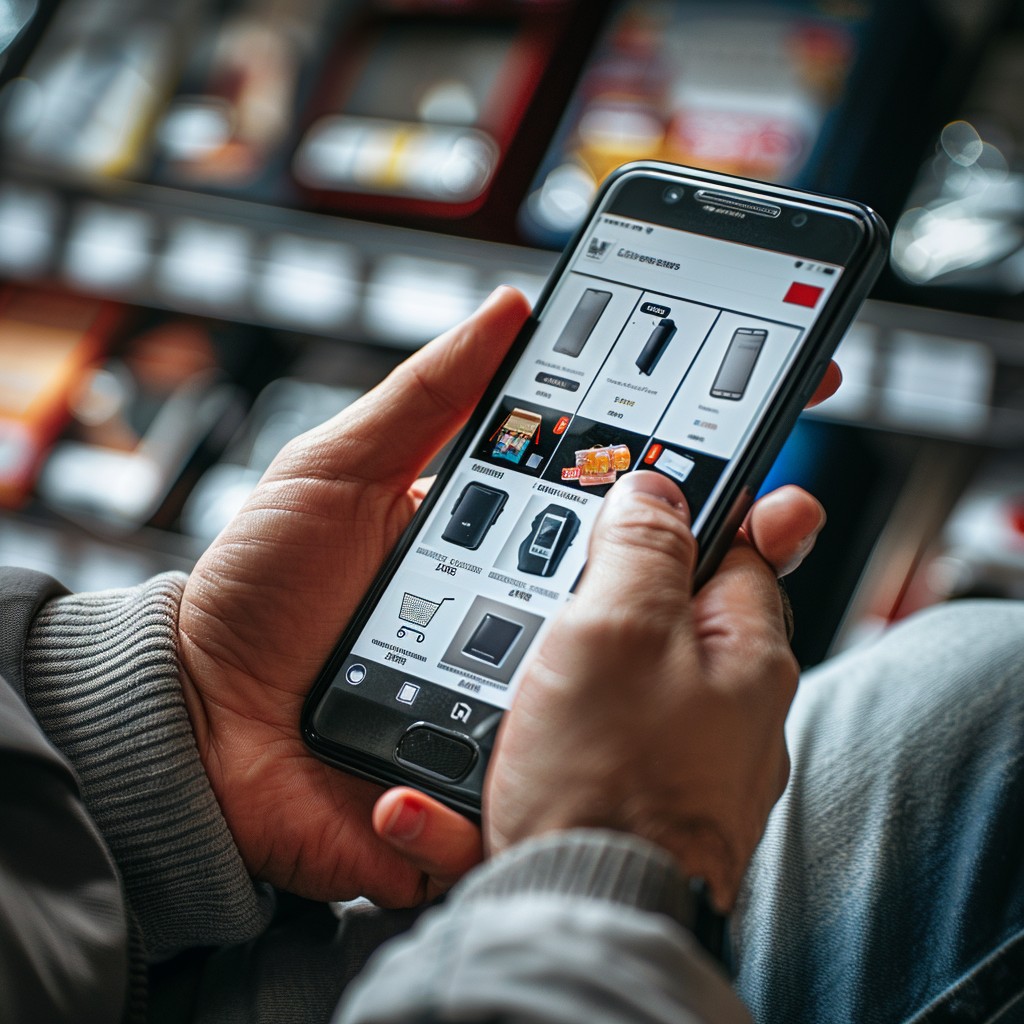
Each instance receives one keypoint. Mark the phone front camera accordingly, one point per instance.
(799, 220)
(672, 194)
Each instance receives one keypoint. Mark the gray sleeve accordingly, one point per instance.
(63, 932)
(577, 926)
(101, 677)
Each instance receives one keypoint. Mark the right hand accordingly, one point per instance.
(783, 526)
(650, 710)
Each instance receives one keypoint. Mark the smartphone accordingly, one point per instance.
(582, 322)
(738, 292)
(738, 365)
(551, 533)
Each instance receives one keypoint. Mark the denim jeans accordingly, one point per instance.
(889, 886)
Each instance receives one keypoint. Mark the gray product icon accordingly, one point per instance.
(417, 610)
(740, 359)
(582, 322)
(492, 639)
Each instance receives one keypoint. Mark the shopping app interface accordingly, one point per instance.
(659, 350)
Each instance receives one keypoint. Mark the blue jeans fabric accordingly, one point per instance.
(889, 886)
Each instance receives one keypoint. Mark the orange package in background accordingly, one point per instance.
(48, 338)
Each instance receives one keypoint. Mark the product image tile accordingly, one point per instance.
(740, 358)
(551, 533)
(475, 511)
(655, 347)
(582, 322)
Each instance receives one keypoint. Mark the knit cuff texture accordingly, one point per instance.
(101, 677)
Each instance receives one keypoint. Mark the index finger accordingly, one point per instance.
(438, 841)
(829, 385)
(740, 615)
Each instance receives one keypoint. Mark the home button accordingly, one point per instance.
(437, 752)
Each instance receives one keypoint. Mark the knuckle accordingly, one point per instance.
(779, 665)
(303, 450)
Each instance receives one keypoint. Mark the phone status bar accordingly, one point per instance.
(814, 268)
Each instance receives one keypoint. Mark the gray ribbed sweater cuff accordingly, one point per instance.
(612, 866)
(101, 676)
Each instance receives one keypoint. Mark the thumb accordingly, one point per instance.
(604, 682)
(636, 589)
(396, 429)
(642, 551)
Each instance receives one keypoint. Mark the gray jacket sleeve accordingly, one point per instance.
(63, 930)
(579, 926)
(101, 678)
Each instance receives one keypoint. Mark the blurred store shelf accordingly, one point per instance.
(272, 201)
(906, 368)
(250, 262)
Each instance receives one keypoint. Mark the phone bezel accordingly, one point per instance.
(747, 473)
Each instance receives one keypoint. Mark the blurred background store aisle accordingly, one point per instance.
(222, 220)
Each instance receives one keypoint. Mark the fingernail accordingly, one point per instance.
(805, 548)
(406, 822)
(493, 297)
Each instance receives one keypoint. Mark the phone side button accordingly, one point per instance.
(436, 752)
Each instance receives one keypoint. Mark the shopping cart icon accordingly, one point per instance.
(419, 611)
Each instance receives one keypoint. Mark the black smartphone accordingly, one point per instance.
(544, 547)
(582, 321)
(730, 286)
(738, 365)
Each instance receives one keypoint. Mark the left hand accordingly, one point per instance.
(263, 608)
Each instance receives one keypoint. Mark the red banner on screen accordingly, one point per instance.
(803, 295)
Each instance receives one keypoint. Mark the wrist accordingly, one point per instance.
(607, 865)
(698, 845)
(701, 851)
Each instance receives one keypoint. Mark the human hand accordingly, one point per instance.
(264, 606)
(647, 709)
(782, 526)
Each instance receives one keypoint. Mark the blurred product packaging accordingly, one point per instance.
(745, 89)
(48, 340)
(964, 221)
(239, 93)
(420, 112)
(96, 82)
(137, 420)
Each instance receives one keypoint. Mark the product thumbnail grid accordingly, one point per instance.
(615, 378)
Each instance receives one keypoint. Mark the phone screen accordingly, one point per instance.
(679, 341)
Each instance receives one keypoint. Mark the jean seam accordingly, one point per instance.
(942, 1010)
(1005, 1008)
